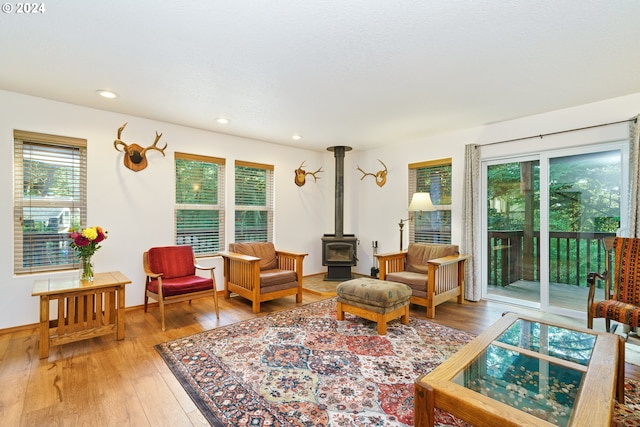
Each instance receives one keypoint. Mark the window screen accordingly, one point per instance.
(254, 202)
(50, 197)
(433, 177)
(199, 207)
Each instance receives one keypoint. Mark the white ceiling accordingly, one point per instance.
(362, 73)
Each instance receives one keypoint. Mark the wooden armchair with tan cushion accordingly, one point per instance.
(434, 272)
(258, 272)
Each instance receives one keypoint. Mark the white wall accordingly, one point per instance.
(137, 207)
(380, 209)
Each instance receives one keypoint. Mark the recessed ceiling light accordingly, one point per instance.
(296, 137)
(107, 94)
(222, 120)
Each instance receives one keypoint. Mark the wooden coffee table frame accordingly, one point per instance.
(85, 309)
(603, 381)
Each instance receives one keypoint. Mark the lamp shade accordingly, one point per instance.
(421, 202)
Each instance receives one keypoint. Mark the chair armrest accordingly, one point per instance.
(200, 267)
(390, 255)
(451, 259)
(150, 273)
(391, 262)
(291, 254)
(238, 257)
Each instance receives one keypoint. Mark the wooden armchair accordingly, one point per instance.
(623, 305)
(171, 277)
(434, 272)
(258, 272)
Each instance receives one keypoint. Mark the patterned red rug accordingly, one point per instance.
(302, 367)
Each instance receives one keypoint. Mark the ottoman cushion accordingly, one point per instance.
(379, 296)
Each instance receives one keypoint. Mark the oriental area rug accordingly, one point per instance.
(302, 367)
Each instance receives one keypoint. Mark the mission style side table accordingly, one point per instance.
(85, 309)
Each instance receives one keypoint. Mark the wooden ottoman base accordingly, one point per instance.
(380, 318)
(376, 300)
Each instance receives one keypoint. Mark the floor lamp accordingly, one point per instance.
(419, 202)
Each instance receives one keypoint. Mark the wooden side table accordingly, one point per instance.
(85, 309)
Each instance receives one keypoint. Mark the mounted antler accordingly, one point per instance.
(313, 174)
(301, 175)
(380, 176)
(135, 158)
(365, 173)
(154, 146)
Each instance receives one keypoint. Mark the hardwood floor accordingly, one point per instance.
(103, 382)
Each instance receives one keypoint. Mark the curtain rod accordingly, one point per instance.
(559, 132)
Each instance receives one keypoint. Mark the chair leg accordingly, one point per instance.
(255, 305)
(215, 302)
(431, 310)
(161, 303)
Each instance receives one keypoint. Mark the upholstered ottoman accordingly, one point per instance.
(376, 300)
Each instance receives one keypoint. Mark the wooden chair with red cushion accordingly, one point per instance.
(623, 305)
(171, 277)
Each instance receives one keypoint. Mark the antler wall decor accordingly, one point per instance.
(301, 175)
(380, 176)
(134, 155)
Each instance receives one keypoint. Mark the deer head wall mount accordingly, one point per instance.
(380, 176)
(301, 175)
(134, 155)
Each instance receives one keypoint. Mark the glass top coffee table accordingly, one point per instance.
(527, 372)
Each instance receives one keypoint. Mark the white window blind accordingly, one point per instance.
(433, 177)
(254, 202)
(199, 210)
(50, 197)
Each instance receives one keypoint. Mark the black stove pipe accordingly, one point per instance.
(338, 153)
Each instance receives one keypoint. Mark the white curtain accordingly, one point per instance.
(634, 173)
(471, 217)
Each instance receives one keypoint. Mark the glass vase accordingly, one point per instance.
(86, 269)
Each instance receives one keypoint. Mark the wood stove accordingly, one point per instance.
(339, 254)
(339, 250)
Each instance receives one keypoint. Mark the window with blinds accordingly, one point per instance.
(254, 202)
(433, 177)
(49, 198)
(199, 210)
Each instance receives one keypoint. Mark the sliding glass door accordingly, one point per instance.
(544, 220)
(584, 205)
(513, 230)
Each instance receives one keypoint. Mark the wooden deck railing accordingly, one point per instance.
(572, 256)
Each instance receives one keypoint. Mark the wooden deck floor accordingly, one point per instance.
(560, 295)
